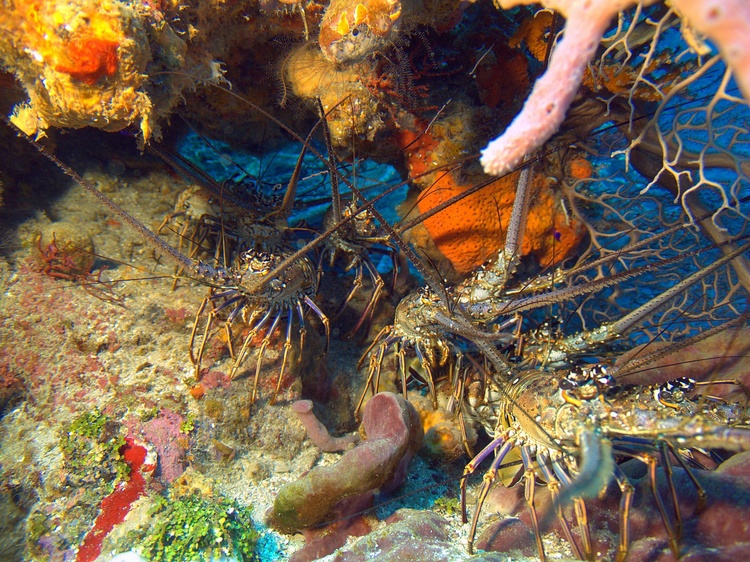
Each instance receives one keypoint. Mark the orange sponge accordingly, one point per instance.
(89, 58)
(472, 230)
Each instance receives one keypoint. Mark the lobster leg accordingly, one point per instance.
(553, 483)
(626, 502)
(246, 343)
(261, 353)
(287, 348)
(487, 481)
(529, 478)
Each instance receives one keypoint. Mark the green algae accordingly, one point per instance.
(196, 528)
(188, 424)
(91, 446)
(450, 506)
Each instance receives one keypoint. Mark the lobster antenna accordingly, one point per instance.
(177, 258)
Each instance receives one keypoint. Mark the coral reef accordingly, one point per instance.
(82, 63)
(363, 97)
(394, 434)
(114, 64)
(109, 444)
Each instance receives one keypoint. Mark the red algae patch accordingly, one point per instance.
(116, 506)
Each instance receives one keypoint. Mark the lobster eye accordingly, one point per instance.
(567, 384)
(674, 390)
(685, 384)
(682, 384)
(580, 375)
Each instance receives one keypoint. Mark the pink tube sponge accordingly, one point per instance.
(394, 434)
(726, 22)
(545, 109)
(318, 433)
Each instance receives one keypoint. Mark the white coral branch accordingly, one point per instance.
(726, 23)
